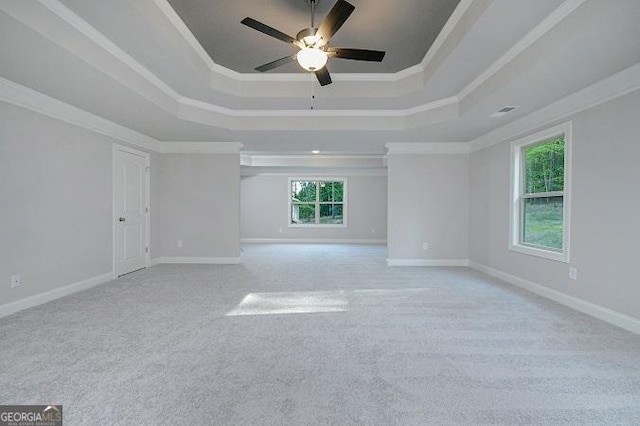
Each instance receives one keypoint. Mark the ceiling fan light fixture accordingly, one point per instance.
(312, 59)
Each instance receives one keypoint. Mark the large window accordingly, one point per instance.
(317, 202)
(540, 194)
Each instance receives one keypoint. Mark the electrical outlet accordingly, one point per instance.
(179, 243)
(573, 273)
(373, 231)
(425, 246)
(15, 281)
(279, 230)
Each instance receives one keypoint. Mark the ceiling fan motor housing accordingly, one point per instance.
(308, 37)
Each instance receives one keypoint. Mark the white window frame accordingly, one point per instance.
(517, 193)
(319, 225)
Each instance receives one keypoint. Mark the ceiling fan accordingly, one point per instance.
(313, 42)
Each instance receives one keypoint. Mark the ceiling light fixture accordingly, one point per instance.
(313, 42)
(312, 59)
(315, 151)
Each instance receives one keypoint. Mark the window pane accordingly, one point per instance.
(544, 167)
(543, 222)
(303, 213)
(331, 213)
(303, 191)
(331, 191)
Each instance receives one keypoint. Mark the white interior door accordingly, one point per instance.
(131, 210)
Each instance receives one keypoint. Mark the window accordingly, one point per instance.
(540, 194)
(317, 202)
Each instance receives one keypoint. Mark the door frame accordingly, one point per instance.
(147, 163)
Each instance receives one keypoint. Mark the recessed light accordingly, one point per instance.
(504, 111)
(315, 151)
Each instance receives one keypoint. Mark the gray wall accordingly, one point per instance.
(264, 209)
(56, 215)
(200, 205)
(605, 210)
(56, 192)
(428, 202)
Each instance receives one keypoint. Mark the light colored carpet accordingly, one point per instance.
(313, 334)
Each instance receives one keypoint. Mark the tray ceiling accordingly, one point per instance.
(405, 29)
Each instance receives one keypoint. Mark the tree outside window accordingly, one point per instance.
(317, 202)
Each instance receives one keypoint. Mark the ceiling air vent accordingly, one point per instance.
(503, 111)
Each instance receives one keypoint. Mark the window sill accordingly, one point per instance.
(539, 252)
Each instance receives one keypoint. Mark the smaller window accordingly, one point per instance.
(540, 194)
(317, 202)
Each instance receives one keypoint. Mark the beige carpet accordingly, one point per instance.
(312, 334)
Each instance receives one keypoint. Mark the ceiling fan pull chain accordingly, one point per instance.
(313, 96)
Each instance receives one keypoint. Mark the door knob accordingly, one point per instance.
(121, 219)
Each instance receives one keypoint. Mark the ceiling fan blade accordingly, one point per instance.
(356, 54)
(323, 76)
(334, 20)
(265, 29)
(277, 63)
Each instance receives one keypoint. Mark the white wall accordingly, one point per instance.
(605, 211)
(264, 209)
(200, 205)
(56, 203)
(428, 202)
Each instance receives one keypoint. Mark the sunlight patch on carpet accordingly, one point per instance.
(291, 303)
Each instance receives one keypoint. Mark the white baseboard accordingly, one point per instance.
(200, 260)
(610, 316)
(427, 262)
(39, 299)
(311, 241)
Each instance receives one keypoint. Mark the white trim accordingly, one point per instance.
(200, 147)
(40, 103)
(57, 293)
(428, 262)
(147, 162)
(312, 241)
(246, 171)
(107, 45)
(458, 13)
(523, 44)
(410, 148)
(605, 90)
(188, 36)
(609, 88)
(184, 101)
(444, 34)
(311, 161)
(610, 316)
(515, 194)
(197, 260)
(317, 202)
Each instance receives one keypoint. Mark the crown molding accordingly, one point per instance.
(404, 81)
(312, 161)
(529, 39)
(144, 82)
(614, 86)
(35, 101)
(200, 147)
(400, 119)
(430, 148)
